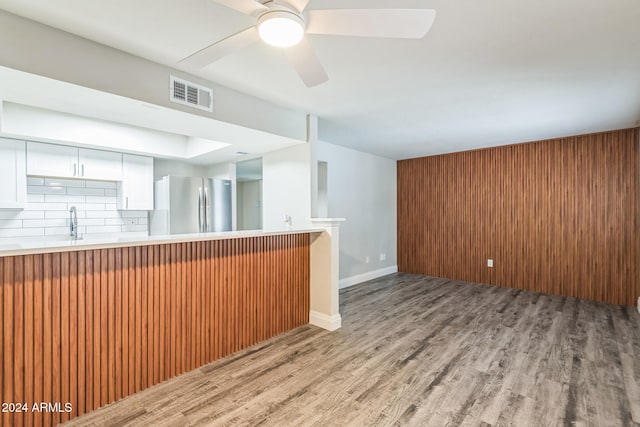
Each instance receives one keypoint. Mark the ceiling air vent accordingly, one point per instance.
(191, 94)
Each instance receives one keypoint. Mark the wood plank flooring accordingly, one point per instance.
(417, 351)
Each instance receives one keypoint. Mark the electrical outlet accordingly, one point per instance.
(366, 259)
(490, 263)
(131, 221)
(383, 257)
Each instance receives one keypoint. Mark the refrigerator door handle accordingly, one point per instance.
(200, 209)
(206, 210)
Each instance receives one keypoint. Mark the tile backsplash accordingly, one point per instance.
(48, 203)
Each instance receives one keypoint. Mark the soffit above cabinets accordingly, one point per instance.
(41, 109)
(53, 126)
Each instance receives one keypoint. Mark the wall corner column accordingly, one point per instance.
(325, 249)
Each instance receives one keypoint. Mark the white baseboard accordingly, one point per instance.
(359, 278)
(324, 321)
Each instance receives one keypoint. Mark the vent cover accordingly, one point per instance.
(191, 94)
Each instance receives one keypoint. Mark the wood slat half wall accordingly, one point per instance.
(90, 327)
(558, 216)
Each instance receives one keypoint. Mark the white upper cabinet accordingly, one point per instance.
(13, 176)
(135, 192)
(100, 165)
(52, 160)
(70, 162)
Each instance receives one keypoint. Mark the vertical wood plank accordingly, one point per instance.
(157, 325)
(183, 307)
(97, 328)
(140, 310)
(64, 331)
(8, 290)
(82, 328)
(207, 303)
(173, 303)
(144, 325)
(188, 308)
(38, 336)
(47, 317)
(18, 335)
(73, 335)
(111, 325)
(132, 330)
(162, 309)
(105, 330)
(30, 319)
(89, 331)
(197, 297)
(215, 299)
(56, 327)
(118, 373)
(4, 417)
(125, 321)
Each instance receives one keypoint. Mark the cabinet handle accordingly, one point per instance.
(74, 169)
(82, 169)
(126, 202)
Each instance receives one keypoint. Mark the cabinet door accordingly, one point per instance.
(136, 190)
(52, 160)
(13, 174)
(101, 165)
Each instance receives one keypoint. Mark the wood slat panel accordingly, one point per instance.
(82, 334)
(97, 336)
(89, 308)
(65, 346)
(557, 216)
(73, 334)
(56, 329)
(117, 324)
(90, 327)
(18, 336)
(38, 337)
(8, 343)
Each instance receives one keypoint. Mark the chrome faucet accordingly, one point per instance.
(73, 223)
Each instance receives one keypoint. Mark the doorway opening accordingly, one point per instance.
(249, 194)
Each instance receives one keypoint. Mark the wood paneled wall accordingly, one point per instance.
(558, 216)
(91, 327)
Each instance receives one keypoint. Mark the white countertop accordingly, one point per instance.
(27, 246)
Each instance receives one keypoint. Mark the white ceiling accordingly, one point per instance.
(488, 73)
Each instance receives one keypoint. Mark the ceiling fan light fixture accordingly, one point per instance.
(281, 28)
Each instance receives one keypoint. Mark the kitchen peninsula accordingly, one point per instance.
(88, 322)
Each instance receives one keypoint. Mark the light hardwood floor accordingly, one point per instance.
(423, 351)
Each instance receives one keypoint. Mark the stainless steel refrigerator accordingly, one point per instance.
(191, 205)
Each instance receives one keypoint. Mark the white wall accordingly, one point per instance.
(362, 189)
(164, 167)
(286, 188)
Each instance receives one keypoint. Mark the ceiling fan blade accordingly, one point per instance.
(306, 63)
(221, 48)
(248, 7)
(298, 5)
(392, 23)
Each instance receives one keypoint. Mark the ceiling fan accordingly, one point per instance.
(283, 23)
